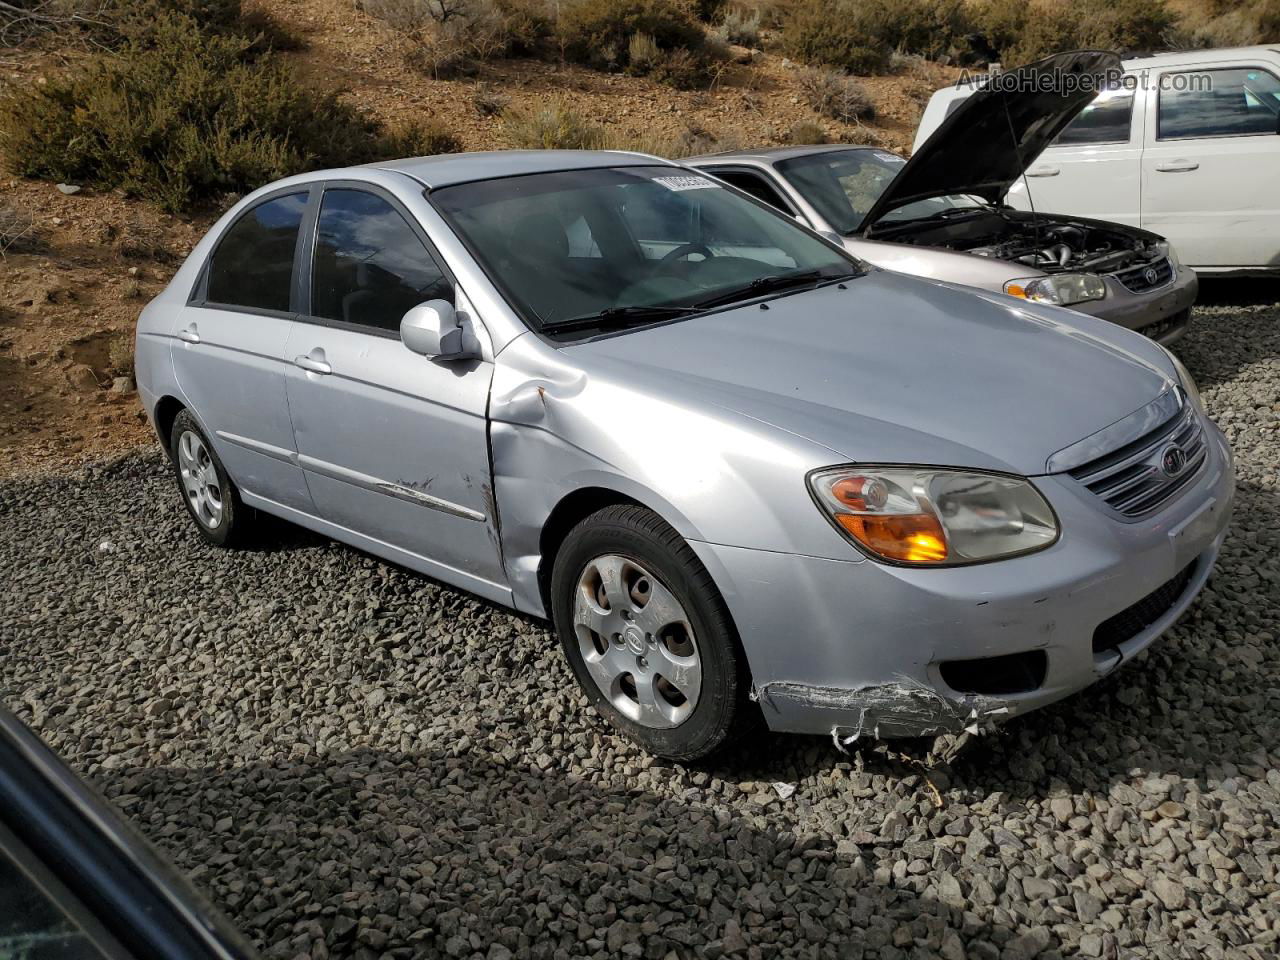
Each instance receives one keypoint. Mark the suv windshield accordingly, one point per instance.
(843, 185)
(623, 246)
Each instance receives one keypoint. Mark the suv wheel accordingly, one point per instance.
(648, 635)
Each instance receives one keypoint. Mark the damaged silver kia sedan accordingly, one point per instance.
(745, 474)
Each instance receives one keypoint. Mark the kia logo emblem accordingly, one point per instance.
(1173, 461)
(1151, 275)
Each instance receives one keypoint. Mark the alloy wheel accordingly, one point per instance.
(200, 479)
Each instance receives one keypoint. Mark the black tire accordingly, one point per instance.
(235, 521)
(722, 711)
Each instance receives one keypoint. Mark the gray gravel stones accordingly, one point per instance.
(354, 761)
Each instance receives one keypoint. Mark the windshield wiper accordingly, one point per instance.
(772, 284)
(633, 316)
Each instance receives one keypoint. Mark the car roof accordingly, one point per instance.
(775, 154)
(1139, 60)
(450, 168)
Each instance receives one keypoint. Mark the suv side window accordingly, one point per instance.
(1243, 101)
(252, 266)
(370, 266)
(756, 186)
(1107, 120)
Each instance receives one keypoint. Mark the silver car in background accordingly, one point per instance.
(942, 214)
(742, 472)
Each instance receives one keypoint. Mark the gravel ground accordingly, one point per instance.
(355, 761)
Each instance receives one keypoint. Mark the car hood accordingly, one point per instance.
(998, 131)
(897, 369)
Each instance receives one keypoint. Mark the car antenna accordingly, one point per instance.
(1017, 149)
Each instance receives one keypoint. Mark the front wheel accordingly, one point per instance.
(648, 635)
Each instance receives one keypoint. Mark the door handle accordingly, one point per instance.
(189, 333)
(312, 365)
(1043, 171)
(1177, 166)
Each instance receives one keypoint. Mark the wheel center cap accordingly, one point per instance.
(634, 638)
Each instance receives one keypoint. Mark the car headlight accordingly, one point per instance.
(1188, 382)
(1165, 249)
(1060, 288)
(925, 516)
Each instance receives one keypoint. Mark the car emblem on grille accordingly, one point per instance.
(1151, 276)
(1173, 460)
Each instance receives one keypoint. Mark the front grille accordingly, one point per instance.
(1131, 621)
(1133, 480)
(1146, 277)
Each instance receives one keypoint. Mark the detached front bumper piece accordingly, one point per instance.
(852, 648)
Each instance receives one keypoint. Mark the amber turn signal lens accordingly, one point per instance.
(1014, 290)
(911, 538)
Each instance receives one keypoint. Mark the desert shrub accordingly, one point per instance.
(17, 230)
(1123, 24)
(448, 35)
(835, 95)
(1023, 32)
(423, 139)
(598, 32)
(741, 26)
(643, 53)
(113, 23)
(806, 132)
(526, 26)
(489, 102)
(812, 32)
(552, 125)
(120, 350)
(1233, 25)
(861, 35)
(182, 118)
(441, 58)
(682, 69)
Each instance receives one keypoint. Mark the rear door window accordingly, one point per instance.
(252, 266)
(370, 265)
(1239, 102)
(753, 184)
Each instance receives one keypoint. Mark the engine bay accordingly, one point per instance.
(1050, 244)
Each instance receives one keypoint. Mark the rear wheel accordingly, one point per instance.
(648, 635)
(210, 497)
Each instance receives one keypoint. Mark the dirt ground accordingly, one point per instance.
(71, 292)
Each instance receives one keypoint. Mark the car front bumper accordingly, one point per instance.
(1164, 314)
(854, 647)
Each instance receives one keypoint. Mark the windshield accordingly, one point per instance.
(843, 186)
(629, 243)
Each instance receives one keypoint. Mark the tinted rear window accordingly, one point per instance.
(253, 265)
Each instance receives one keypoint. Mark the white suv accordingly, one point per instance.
(1189, 148)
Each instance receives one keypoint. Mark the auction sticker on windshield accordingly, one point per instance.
(686, 183)
(889, 157)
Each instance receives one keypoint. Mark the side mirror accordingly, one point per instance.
(432, 329)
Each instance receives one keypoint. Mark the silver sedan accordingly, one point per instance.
(745, 474)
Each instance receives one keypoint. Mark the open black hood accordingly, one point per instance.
(999, 130)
